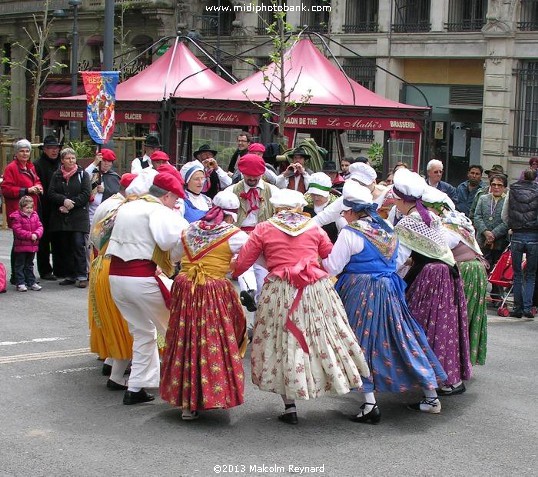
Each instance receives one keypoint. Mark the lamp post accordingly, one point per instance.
(74, 126)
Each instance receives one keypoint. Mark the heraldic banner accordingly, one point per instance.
(100, 87)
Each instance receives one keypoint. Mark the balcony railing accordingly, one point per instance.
(528, 20)
(412, 27)
(363, 27)
(465, 25)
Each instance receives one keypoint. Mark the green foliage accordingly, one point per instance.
(375, 155)
(5, 92)
(82, 148)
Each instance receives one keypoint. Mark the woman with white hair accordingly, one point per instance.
(302, 346)
(395, 346)
(435, 292)
(201, 366)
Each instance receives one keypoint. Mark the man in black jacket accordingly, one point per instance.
(47, 164)
(520, 211)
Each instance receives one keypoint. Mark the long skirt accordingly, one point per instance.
(394, 344)
(334, 362)
(202, 366)
(475, 283)
(436, 300)
(109, 333)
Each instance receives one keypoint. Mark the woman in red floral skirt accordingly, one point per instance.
(202, 366)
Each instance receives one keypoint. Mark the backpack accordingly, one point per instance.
(3, 278)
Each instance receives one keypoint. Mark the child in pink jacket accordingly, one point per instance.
(27, 230)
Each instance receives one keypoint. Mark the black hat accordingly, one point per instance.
(299, 151)
(50, 140)
(204, 148)
(152, 141)
(329, 166)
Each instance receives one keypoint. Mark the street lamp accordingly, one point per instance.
(74, 126)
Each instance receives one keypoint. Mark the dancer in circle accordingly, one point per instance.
(206, 338)
(302, 346)
(394, 344)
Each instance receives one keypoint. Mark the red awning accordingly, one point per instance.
(203, 116)
(121, 116)
(313, 121)
(95, 40)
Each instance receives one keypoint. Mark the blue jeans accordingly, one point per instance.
(24, 268)
(524, 243)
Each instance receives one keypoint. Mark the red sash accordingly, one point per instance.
(138, 268)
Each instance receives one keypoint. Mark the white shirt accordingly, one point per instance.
(136, 164)
(140, 225)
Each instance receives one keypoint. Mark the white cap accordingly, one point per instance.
(188, 169)
(354, 192)
(362, 172)
(142, 182)
(320, 184)
(409, 183)
(432, 195)
(227, 201)
(287, 198)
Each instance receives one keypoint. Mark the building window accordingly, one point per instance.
(362, 70)
(218, 23)
(466, 15)
(529, 15)
(526, 113)
(265, 16)
(316, 15)
(361, 17)
(411, 16)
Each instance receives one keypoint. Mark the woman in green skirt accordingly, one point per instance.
(460, 235)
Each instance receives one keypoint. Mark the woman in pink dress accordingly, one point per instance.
(302, 344)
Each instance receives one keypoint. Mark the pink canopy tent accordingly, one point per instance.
(334, 101)
(139, 98)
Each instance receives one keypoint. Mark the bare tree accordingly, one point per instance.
(279, 104)
(37, 61)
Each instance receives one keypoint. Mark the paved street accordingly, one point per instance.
(58, 418)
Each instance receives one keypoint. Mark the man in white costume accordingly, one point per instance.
(146, 234)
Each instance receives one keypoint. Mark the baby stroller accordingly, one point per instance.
(502, 275)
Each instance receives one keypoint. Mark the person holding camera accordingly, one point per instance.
(20, 179)
(296, 176)
(215, 177)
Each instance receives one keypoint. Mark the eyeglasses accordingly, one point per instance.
(496, 185)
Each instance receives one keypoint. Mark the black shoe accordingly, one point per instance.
(12, 281)
(106, 370)
(451, 390)
(516, 314)
(67, 281)
(130, 397)
(49, 276)
(528, 314)
(289, 418)
(247, 300)
(114, 386)
(373, 417)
